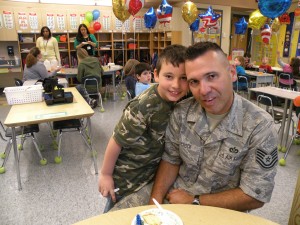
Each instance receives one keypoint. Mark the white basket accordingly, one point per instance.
(23, 94)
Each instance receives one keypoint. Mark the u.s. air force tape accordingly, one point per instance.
(266, 160)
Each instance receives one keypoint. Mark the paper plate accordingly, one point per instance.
(167, 217)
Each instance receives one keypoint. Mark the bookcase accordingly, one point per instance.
(116, 47)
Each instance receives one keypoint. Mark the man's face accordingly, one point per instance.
(210, 80)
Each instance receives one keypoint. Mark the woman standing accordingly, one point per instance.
(85, 40)
(34, 68)
(48, 45)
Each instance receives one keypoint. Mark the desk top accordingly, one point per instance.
(275, 68)
(279, 92)
(39, 112)
(62, 81)
(259, 74)
(73, 71)
(189, 214)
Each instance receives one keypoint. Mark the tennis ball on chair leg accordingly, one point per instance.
(282, 162)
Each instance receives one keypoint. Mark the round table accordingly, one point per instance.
(190, 215)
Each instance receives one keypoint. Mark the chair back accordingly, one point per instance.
(285, 77)
(242, 79)
(91, 83)
(295, 212)
(18, 82)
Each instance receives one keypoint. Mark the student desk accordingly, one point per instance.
(39, 112)
(189, 214)
(61, 81)
(288, 97)
(261, 78)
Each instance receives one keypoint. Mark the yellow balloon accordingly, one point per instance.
(256, 20)
(275, 25)
(189, 12)
(120, 10)
(87, 23)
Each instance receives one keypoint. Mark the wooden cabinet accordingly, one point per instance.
(115, 47)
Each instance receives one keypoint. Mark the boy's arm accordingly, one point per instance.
(106, 183)
(165, 177)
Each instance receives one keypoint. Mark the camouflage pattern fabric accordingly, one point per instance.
(141, 133)
(240, 152)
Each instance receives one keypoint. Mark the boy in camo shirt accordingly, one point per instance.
(136, 146)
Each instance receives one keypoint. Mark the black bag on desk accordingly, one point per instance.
(49, 84)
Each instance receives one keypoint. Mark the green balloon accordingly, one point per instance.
(89, 16)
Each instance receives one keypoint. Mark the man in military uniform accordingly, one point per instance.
(220, 149)
(136, 146)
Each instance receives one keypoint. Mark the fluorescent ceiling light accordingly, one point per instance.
(25, 0)
(80, 2)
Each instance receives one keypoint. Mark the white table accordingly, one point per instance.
(288, 96)
(61, 81)
(261, 78)
(39, 112)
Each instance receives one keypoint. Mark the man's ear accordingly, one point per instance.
(155, 75)
(233, 74)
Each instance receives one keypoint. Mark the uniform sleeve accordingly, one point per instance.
(76, 42)
(42, 71)
(93, 38)
(133, 123)
(56, 50)
(171, 153)
(260, 164)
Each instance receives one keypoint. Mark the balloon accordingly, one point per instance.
(284, 18)
(241, 26)
(297, 101)
(164, 12)
(87, 23)
(120, 11)
(195, 25)
(273, 8)
(209, 18)
(134, 6)
(96, 14)
(91, 30)
(275, 25)
(97, 26)
(150, 18)
(266, 34)
(88, 16)
(189, 12)
(256, 20)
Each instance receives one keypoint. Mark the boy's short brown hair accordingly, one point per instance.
(141, 67)
(174, 54)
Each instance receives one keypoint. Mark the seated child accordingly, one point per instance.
(130, 78)
(239, 62)
(264, 65)
(143, 76)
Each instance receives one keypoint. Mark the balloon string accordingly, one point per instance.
(134, 37)
(123, 32)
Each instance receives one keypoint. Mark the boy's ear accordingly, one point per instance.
(155, 75)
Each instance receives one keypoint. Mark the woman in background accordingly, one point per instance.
(34, 68)
(85, 40)
(48, 46)
(292, 68)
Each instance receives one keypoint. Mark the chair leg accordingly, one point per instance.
(5, 156)
(58, 158)
(282, 161)
(43, 161)
(101, 103)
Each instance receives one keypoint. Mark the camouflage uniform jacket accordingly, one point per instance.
(240, 152)
(141, 133)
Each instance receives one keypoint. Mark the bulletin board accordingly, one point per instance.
(212, 34)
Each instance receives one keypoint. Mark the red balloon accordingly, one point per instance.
(297, 101)
(91, 30)
(97, 26)
(135, 6)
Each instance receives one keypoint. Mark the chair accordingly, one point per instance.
(18, 82)
(118, 85)
(295, 213)
(287, 77)
(23, 132)
(91, 84)
(242, 79)
(72, 125)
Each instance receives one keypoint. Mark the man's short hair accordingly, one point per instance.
(200, 48)
(141, 67)
(174, 54)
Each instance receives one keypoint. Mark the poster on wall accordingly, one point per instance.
(105, 21)
(8, 20)
(1, 21)
(73, 21)
(23, 21)
(288, 37)
(137, 23)
(61, 23)
(119, 24)
(81, 18)
(33, 21)
(50, 21)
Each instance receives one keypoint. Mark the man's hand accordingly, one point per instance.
(106, 186)
(179, 196)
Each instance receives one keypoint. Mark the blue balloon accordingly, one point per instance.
(241, 26)
(209, 18)
(150, 18)
(195, 25)
(273, 8)
(96, 14)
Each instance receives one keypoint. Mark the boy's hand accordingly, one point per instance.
(106, 186)
(179, 196)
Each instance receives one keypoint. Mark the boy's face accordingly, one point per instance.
(265, 60)
(237, 62)
(210, 79)
(145, 77)
(172, 82)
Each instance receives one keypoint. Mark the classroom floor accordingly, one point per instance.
(66, 193)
